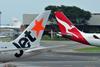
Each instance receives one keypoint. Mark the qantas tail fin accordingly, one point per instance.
(65, 25)
(67, 28)
(32, 34)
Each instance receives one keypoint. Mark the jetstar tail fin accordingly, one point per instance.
(32, 34)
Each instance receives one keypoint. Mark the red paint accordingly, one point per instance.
(74, 30)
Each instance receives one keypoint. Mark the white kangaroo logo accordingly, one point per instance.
(67, 27)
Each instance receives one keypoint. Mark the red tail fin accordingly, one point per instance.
(66, 27)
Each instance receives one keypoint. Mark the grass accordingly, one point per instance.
(45, 37)
(6, 39)
(89, 49)
(55, 38)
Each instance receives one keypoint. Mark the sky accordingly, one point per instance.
(16, 8)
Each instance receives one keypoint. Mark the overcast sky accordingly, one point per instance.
(16, 8)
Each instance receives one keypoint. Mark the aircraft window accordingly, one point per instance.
(96, 37)
(3, 47)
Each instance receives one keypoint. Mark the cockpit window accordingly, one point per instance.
(96, 37)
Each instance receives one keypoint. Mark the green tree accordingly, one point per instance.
(75, 14)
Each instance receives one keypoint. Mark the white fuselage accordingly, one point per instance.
(10, 56)
(92, 38)
(28, 42)
(7, 53)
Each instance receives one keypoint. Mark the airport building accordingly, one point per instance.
(93, 25)
(12, 30)
(95, 19)
(28, 18)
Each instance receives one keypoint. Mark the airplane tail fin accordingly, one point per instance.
(31, 36)
(65, 25)
(67, 28)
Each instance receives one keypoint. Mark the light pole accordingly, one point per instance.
(0, 20)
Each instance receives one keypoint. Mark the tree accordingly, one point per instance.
(75, 14)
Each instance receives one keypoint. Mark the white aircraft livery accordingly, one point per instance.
(69, 30)
(28, 43)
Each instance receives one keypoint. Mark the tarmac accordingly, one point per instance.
(59, 57)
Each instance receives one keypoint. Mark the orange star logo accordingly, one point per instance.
(38, 26)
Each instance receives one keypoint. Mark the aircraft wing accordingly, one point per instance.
(3, 36)
(32, 49)
(10, 27)
(43, 48)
